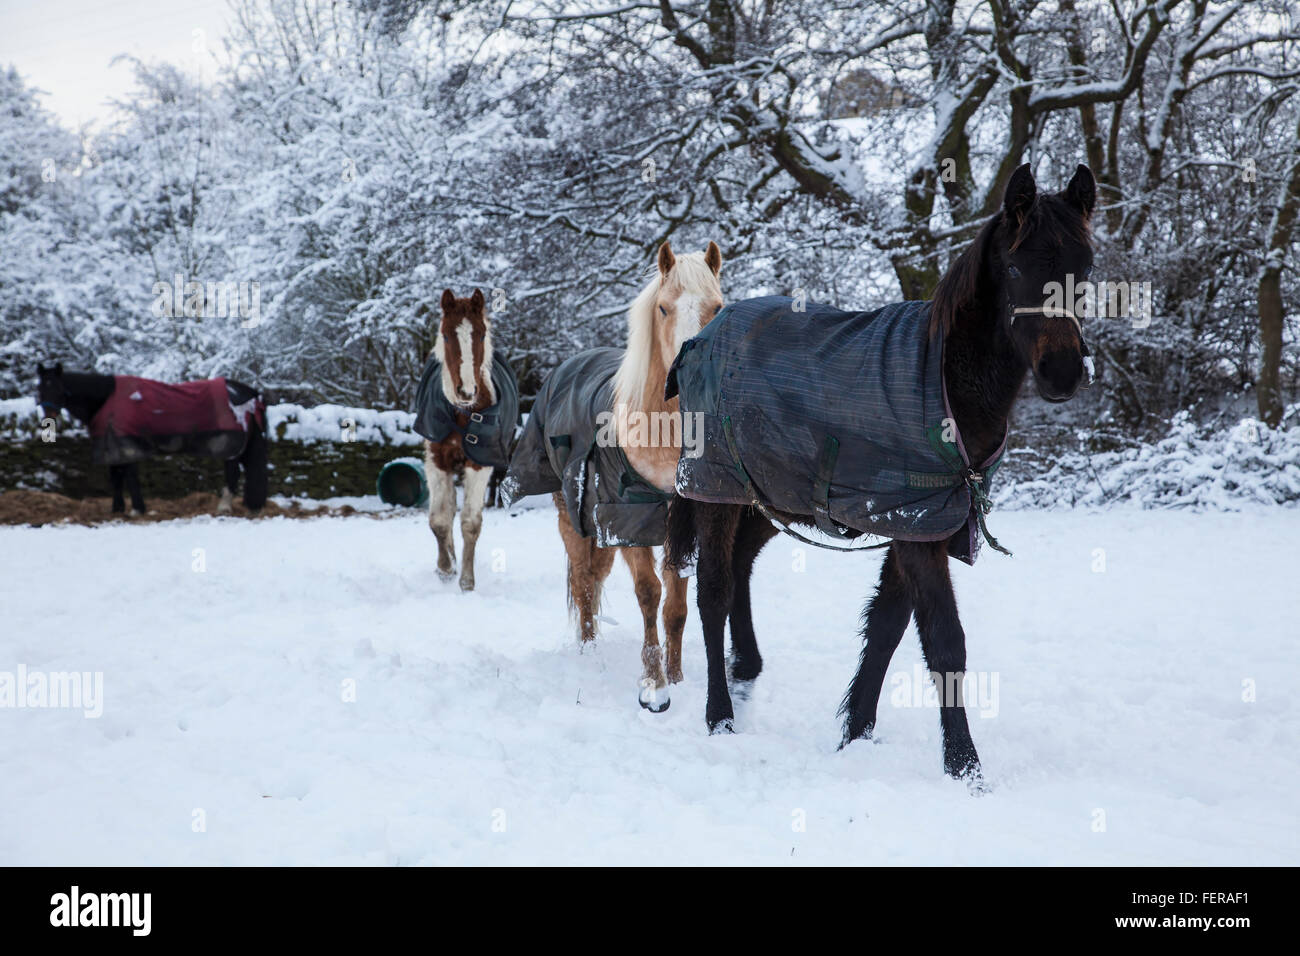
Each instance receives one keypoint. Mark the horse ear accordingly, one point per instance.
(713, 257)
(58, 368)
(666, 259)
(1021, 191)
(1081, 192)
(448, 300)
(476, 300)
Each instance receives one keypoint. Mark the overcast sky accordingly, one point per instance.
(64, 47)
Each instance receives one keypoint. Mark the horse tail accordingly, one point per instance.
(254, 459)
(680, 545)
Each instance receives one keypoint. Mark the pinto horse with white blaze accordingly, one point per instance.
(918, 448)
(460, 406)
(604, 441)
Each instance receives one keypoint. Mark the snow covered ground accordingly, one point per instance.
(479, 733)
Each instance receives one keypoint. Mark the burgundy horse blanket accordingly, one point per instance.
(143, 418)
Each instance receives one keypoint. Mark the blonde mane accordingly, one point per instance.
(689, 274)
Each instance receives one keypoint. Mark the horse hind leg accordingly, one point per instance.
(231, 466)
(583, 587)
(133, 485)
(254, 461)
(471, 520)
(442, 510)
(654, 695)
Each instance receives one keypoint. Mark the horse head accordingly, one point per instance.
(464, 347)
(686, 297)
(1041, 254)
(680, 298)
(51, 392)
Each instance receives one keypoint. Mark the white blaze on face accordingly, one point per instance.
(688, 319)
(465, 335)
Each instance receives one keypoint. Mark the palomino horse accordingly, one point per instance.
(131, 419)
(992, 319)
(463, 347)
(615, 480)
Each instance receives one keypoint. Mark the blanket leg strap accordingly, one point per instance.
(767, 513)
(822, 492)
(980, 499)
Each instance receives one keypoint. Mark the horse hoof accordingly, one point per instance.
(722, 726)
(446, 575)
(973, 777)
(742, 690)
(675, 676)
(654, 699)
(466, 585)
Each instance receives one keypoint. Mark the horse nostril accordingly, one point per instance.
(1059, 367)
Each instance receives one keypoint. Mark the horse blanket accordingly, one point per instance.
(568, 446)
(841, 416)
(486, 435)
(143, 417)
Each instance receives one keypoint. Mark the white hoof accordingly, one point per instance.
(654, 699)
(224, 505)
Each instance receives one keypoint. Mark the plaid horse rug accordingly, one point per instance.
(605, 497)
(486, 435)
(838, 416)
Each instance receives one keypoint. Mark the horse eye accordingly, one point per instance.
(717, 309)
(662, 310)
(1013, 272)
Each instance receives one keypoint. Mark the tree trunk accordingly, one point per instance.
(1268, 386)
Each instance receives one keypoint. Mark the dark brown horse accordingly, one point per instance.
(991, 314)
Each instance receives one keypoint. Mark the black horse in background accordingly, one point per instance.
(992, 316)
(131, 419)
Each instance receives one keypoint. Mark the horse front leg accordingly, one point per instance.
(943, 642)
(442, 509)
(133, 485)
(883, 623)
(117, 478)
(752, 533)
(471, 519)
(715, 587)
(653, 695)
(674, 620)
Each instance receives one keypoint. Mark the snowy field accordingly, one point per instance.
(480, 734)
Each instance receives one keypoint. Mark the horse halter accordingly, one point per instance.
(1054, 312)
